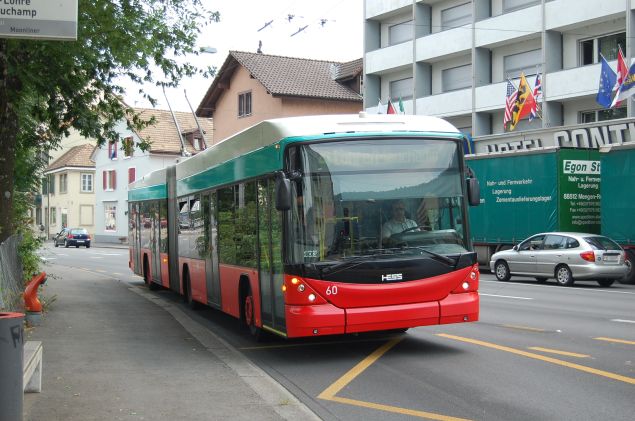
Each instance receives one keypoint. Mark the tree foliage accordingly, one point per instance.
(49, 87)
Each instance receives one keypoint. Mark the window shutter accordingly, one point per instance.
(105, 180)
(131, 175)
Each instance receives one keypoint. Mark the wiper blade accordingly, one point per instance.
(353, 261)
(444, 259)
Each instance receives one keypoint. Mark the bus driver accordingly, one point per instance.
(398, 223)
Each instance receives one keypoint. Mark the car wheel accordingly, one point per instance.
(87, 246)
(56, 243)
(501, 270)
(629, 260)
(564, 277)
(65, 243)
(76, 246)
(606, 282)
(541, 279)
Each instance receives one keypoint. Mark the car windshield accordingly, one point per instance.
(602, 243)
(358, 198)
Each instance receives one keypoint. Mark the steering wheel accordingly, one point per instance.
(418, 227)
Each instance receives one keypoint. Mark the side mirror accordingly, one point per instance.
(473, 192)
(515, 248)
(283, 192)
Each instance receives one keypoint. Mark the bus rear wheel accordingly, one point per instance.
(187, 286)
(146, 276)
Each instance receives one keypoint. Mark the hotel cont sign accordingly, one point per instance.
(38, 19)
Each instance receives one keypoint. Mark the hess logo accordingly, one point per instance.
(391, 277)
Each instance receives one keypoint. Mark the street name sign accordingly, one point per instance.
(38, 19)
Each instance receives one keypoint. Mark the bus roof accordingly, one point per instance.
(192, 172)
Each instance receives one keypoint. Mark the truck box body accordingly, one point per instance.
(524, 193)
(617, 204)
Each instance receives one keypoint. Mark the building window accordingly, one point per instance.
(456, 78)
(110, 214)
(51, 184)
(456, 16)
(400, 32)
(602, 115)
(244, 104)
(511, 5)
(45, 185)
(401, 88)
(63, 183)
(53, 217)
(109, 180)
(132, 174)
(86, 183)
(528, 62)
(86, 213)
(112, 150)
(607, 45)
(128, 147)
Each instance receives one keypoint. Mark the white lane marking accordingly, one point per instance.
(96, 257)
(505, 296)
(622, 321)
(594, 290)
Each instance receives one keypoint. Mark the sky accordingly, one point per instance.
(338, 39)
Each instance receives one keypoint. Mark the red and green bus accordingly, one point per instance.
(283, 226)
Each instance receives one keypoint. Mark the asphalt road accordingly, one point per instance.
(539, 352)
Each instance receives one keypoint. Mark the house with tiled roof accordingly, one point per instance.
(172, 137)
(251, 87)
(69, 194)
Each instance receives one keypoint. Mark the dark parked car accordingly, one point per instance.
(72, 237)
(565, 256)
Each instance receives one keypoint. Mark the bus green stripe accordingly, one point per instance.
(148, 193)
(269, 159)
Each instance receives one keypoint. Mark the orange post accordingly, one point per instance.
(31, 301)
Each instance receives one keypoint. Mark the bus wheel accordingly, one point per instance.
(248, 314)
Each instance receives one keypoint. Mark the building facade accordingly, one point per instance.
(452, 59)
(252, 87)
(172, 137)
(68, 196)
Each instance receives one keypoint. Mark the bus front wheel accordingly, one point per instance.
(248, 313)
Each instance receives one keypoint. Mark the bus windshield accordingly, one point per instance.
(375, 196)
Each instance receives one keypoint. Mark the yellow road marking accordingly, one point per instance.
(533, 329)
(396, 409)
(330, 392)
(555, 351)
(619, 341)
(586, 369)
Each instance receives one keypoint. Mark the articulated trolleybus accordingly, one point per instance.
(317, 225)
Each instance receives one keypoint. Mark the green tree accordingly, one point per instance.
(49, 87)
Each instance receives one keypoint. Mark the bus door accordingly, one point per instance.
(135, 236)
(212, 276)
(155, 241)
(270, 255)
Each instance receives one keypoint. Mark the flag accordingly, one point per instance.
(390, 109)
(627, 88)
(622, 73)
(510, 99)
(607, 81)
(535, 110)
(524, 102)
(402, 110)
(380, 107)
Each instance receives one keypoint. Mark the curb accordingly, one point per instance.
(283, 402)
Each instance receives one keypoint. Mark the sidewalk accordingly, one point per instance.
(113, 351)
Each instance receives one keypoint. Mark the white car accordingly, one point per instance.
(565, 256)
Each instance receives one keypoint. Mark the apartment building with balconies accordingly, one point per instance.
(452, 59)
